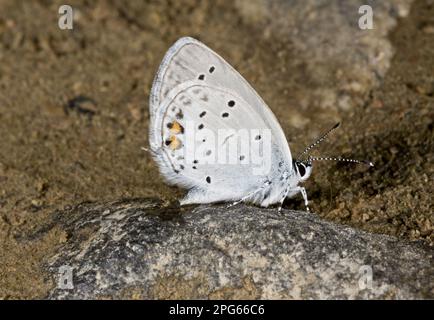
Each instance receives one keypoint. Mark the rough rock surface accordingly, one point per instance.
(140, 249)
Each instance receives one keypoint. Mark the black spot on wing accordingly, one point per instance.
(180, 114)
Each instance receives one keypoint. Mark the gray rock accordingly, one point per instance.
(139, 249)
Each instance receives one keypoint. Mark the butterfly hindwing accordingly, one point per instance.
(209, 139)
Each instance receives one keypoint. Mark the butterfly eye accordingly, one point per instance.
(301, 169)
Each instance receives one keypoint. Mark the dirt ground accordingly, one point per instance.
(74, 115)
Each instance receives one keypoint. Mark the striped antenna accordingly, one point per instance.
(369, 163)
(318, 141)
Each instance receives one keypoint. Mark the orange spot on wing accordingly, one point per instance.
(176, 128)
(174, 143)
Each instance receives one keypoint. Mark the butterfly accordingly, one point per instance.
(212, 134)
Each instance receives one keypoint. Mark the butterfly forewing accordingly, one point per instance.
(189, 59)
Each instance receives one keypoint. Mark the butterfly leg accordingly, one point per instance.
(302, 190)
(304, 194)
(283, 199)
(151, 151)
(266, 184)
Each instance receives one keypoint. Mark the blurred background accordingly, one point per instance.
(74, 108)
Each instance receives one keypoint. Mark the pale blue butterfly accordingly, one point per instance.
(196, 91)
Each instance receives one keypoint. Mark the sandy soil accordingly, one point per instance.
(74, 114)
